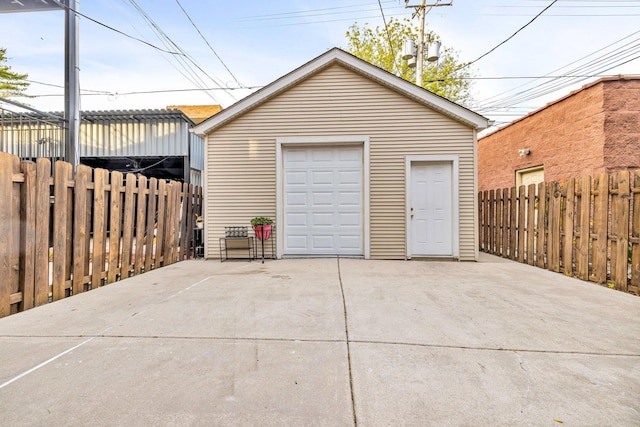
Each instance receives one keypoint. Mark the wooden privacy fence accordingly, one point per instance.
(588, 228)
(61, 236)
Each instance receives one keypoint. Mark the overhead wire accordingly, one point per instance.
(596, 66)
(117, 31)
(511, 36)
(386, 27)
(167, 41)
(208, 44)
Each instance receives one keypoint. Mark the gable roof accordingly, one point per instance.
(338, 56)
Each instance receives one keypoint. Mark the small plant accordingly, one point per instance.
(261, 220)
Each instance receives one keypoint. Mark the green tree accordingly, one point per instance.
(11, 83)
(448, 77)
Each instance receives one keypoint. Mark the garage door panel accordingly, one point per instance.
(296, 220)
(322, 219)
(350, 155)
(328, 219)
(322, 242)
(350, 177)
(351, 242)
(349, 198)
(296, 177)
(323, 198)
(297, 242)
(346, 219)
(296, 199)
(322, 177)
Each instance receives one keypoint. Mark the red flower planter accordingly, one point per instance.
(262, 231)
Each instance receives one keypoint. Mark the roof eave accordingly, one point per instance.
(451, 109)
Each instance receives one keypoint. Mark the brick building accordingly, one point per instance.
(592, 130)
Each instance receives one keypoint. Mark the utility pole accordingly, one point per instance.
(71, 86)
(420, 55)
(421, 11)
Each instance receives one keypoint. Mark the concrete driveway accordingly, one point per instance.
(327, 342)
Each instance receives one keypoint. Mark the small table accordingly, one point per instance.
(236, 238)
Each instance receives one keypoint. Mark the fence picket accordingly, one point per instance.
(486, 221)
(600, 222)
(584, 229)
(567, 225)
(160, 229)
(80, 229)
(620, 230)
(541, 227)
(151, 221)
(531, 222)
(553, 236)
(505, 223)
(62, 231)
(43, 215)
(100, 178)
(635, 235)
(6, 245)
(28, 234)
(128, 225)
(492, 221)
(522, 208)
(513, 217)
(115, 226)
(141, 215)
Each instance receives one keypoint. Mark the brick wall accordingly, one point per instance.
(622, 125)
(593, 130)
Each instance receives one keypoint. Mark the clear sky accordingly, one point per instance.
(260, 41)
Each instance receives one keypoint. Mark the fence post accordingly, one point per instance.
(600, 220)
(485, 224)
(620, 230)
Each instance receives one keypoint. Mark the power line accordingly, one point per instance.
(512, 35)
(208, 44)
(118, 31)
(393, 52)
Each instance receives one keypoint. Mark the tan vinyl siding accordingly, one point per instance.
(241, 169)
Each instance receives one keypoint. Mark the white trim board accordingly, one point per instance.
(325, 140)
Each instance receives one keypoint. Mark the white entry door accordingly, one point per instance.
(431, 209)
(323, 201)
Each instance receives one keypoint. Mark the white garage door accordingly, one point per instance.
(323, 201)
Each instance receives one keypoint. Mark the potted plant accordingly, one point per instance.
(262, 226)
